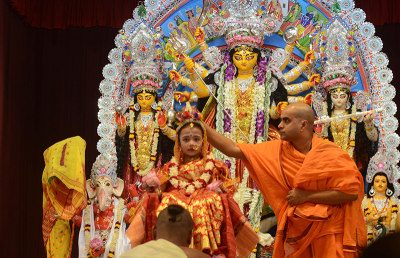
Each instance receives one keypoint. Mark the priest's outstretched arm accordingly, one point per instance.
(223, 144)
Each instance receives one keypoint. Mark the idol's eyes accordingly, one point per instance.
(240, 58)
(335, 96)
(148, 97)
(140, 97)
(343, 96)
(250, 58)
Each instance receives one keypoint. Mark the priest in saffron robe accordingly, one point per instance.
(313, 186)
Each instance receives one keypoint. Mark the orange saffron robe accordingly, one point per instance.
(310, 230)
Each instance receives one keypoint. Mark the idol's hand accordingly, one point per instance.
(199, 35)
(310, 56)
(189, 65)
(319, 128)
(374, 216)
(308, 99)
(296, 196)
(162, 119)
(77, 219)
(314, 80)
(368, 119)
(97, 253)
(175, 76)
(281, 106)
(188, 62)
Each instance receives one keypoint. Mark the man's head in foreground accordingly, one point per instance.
(297, 122)
(174, 224)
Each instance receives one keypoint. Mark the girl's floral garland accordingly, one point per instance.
(153, 155)
(199, 183)
(117, 226)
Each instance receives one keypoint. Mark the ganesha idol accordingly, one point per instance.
(102, 232)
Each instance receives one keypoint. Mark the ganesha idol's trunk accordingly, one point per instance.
(104, 200)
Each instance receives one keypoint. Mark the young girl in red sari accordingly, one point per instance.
(199, 183)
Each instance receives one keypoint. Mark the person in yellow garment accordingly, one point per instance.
(64, 194)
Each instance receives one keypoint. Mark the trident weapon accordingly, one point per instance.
(181, 46)
(357, 114)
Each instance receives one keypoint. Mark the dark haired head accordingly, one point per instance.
(386, 247)
(175, 224)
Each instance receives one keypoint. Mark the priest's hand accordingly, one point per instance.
(296, 196)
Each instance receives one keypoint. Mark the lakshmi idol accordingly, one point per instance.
(194, 179)
(359, 137)
(379, 205)
(139, 154)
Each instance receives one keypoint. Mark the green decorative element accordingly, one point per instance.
(336, 7)
(142, 11)
(354, 65)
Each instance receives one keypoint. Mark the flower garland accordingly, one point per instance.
(199, 183)
(260, 113)
(255, 209)
(116, 228)
(156, 130)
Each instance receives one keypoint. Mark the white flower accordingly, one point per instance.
(209, 166)
(173, 171)
(174, 182)
(183, 184)
(190, 189)
(197, 184)
(205, 177)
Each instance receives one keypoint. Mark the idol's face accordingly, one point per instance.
(245, 60)
(339, 98)
(145, 100)
(380, 184)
